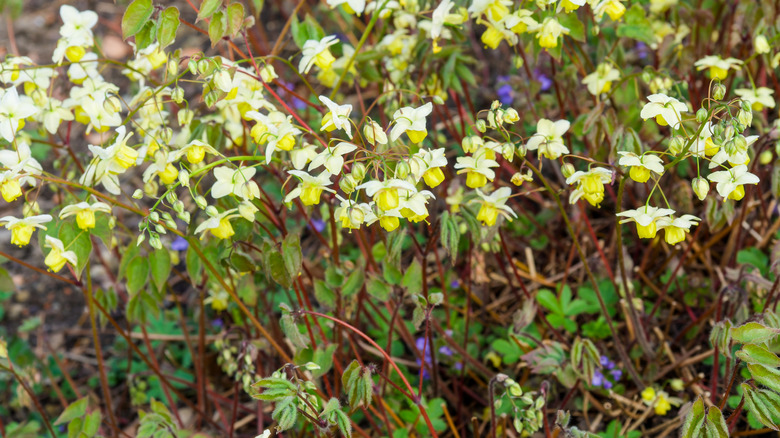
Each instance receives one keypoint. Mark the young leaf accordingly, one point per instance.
(136, 15)
(291, 251)
(207, 8)
(74, 410)
(753, 333)
(160, 263)
(137, 274)
(694, 420)
(354, 282)
(412, 280)
(169, 24)
(217, 28)
(378, 288)
(235, 18)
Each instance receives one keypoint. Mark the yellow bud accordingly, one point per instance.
(433, 177)
(639, 174)
(169, 174)
(475, 180)
(387, 199)
(196, 153)
(646, 231)
(389, 223)
(54, 260)
(311, 195)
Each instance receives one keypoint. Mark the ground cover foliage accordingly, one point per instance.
(390, 218)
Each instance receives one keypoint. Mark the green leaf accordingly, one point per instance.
(549, 301)
(343, 423)
(755, 257)
(291, 251)
(761, 404)
(450, 235)
(92, 424)
(757, 354)
(308, 30)
(769, 377)
(160, 263)
(278, 270)
(753, 333)
(378, 289)
(694, 420)
(6, 282)
(207, 8)
(74, 410)
(145, 37)
(412, 280)
(217, 28)
(637, 26)
(194, 264)
(715, 426)
(235, 18)
(136, 15)
(574, 24)
(169, 25)
(324, 294)
(354, 283)
(137, 274)
(78, 241)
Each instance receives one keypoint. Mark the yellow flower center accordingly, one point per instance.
(258, 132)
(475, 180)
(717, 73)
(673, 236)
(324, 59)
(85, 219)
(81, 116)
(606, 87)
(169, 174)
(548, 41)
(662, 406)
(660, 120)
(648, 394)
(196, 153)
(54, 260)
(492, 37)
(224, 230)
(737, 193)
(389, 223)
(387, 199)
(433, 177)
(326, 122)
(310, 195)
(496, 11)
(487, 214)
(10, 189)
(615, 10)
(126, 156)
(286, 143)
(639, 174)
(710, 148)
(416, 136)
(646, 231)
(75, 53)
(20, 234)
(757, 106)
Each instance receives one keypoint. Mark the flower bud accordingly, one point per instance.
(31, 209)
(154, 216)
(491, 119)
(200, 201)
(402, 170)
(730, 147)
(203, 66)
(746, 105)
(495, 105)
(358, 171)
(193, 66)
(177, 95)
(717, 130)
(173, 67)
(508, 151)
(765, 157)
(567, 169)
(741, 143)
(468, 144)
(761, 45)
(677, 384)
(154, 241)
(356, 216)
(481, 126)
(184, 178)
(511, 116)
(718, 91)
(729, 132)
(185, 116)
(438, 100)
(347, 184)
(701, 115)
(374, 133)
(745, 117)
(247, 210)
(700, 187)
(268, 74)
(138, 194)
(517, 179)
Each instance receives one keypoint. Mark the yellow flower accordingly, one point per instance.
(85, 213)
(57, 257)
(389, 223)
(169, 174)
(675, 229)
(590, 185)
(22, 229)
(311, 187)
(648, 394)
(718, 67)
(549, 33)
(10, 189)
(493, 205)
(217, 223)
(385, 193)
(645, 219)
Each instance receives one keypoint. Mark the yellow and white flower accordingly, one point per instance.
(666, 110)
(414, 204)
(218, 223)
(235, 181)
(759, 98)
(22, 229)
(58, 256)
(431, 162)
(85, 213)
(13, 110)
(337, 118)
(317, 52)
(614, 8)
(332, 157)
(195, 151)
(548, 138)
(110, 162)
(350, 214)
(386, 193)
(493, 205)
(311, 187)
(301, 156)
(355, 7)
(549, 32)
(276, 129)
(590, 185)
(738, 156)
(676, 228)
(645, 218)
(641, 165)
(477, 169)
(600, 81)
(730, 182)
(717, 66)
(412, 121)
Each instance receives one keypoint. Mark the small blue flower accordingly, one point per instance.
(179, 244)
(544, 80)
(319, 225)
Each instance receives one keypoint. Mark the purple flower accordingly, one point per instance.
(217, 322)
(641, 49)
(598, 378)
(454, 284)
(544, 80)
(179, 244)
(606, 363)
(616, 374)
(318, 224)
(445, 350)
(506, 95)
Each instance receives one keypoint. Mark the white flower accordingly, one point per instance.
(217, 223)
(666, 110)
(302, 155)
(590, 185)
(332, 157)
(645, 218)
(740, 156)
(356, 6)
(317, 52)
(13, 109)
(477, 169)
(641, 165)
(22, 229)
(110, 162)
(549, 138)
(22, 155)
(337, 118)
(276, 129)
(731, 181)
(311, 187)
(494, 204)
(718, 66)
(600, 81)
(77, 26)
(759, 98)
(412, 121)
(438, 18)
(235, 181)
